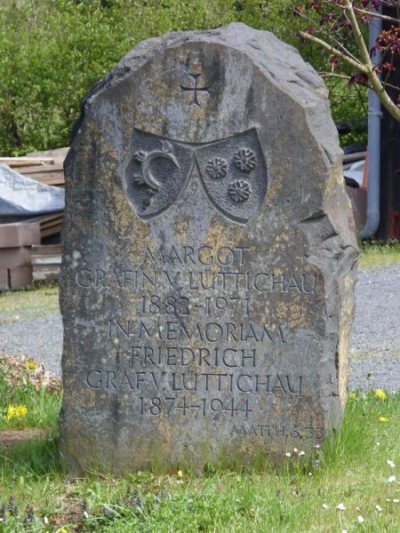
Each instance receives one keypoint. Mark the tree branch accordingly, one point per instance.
(362, 47)
(374, 80)
(334, 75)
(349, 60)
(377, 15)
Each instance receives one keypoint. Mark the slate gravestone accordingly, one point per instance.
(207, 278)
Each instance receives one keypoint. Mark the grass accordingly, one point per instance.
(29, 303)
(374, 254)
(25, 397)
(350, 469)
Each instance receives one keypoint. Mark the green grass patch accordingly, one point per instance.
(28, 397)
(357, 468)
(29, 303)
(374, 254)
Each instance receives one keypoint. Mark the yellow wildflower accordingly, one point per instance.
(20, 411)
(180, 474)
(31, 365)
(379, 393)
(10, 412)
(383, 419)
(353, 396)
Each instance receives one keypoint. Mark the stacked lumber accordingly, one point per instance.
(23, 257)
(50, 225)
(46, 261)
(18, 162)
(47, 170)
(15, 254)
(47, 174)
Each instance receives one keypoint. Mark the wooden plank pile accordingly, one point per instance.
(15, 254)
(23, 256)
(46, 261)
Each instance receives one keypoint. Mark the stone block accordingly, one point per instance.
(209, 259)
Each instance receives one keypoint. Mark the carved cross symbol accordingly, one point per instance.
(195, 89)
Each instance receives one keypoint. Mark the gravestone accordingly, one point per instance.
(207, 277)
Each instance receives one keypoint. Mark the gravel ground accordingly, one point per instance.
(375, 348)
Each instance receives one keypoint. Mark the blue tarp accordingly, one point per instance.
(21, 196)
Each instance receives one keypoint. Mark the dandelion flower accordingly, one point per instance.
(396, 500)
(360, 519)
(21, 411)
(288, 454)
(383, 419)
(380, 394)
(340, 507)
(390, 463)
(31, 365)
(179, 474)
(294, 450)
(10, 412)
(378, 508)
(391, 479)
(325, 506)
(302, 453)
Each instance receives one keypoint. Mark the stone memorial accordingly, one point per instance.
(209, 259)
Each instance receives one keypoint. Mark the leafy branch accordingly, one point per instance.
(350, 20)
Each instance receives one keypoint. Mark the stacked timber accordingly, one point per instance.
(16, 241)
(24, 257)
(46, 262)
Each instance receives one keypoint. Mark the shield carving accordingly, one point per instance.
(232, 171)
(157, 173)
(234, 175)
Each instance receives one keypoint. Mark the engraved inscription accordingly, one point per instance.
(259, 282)
(205, 406)
(194, 347)
(279, 431)
(194, 89)
(257, 384)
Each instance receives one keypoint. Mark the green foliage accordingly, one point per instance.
(349, 105)
(53, 51)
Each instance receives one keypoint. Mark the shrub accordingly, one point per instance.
(53, 51)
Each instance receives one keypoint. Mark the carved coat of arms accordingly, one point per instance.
(232, 171)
